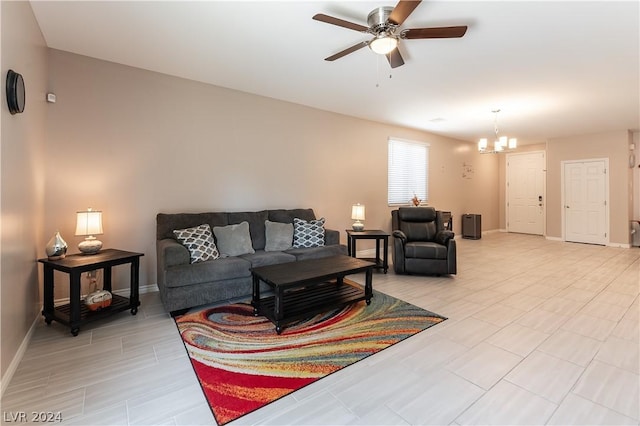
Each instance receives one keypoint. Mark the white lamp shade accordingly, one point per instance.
(89, 223)
(357, 212)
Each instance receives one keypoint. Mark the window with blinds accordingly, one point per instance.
(408, 171)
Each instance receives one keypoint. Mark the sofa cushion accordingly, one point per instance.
(199, 242)
(264, 258)
(425, 250)
(256, 225)
(308, 233)
(278, 236)
(234, 240)
(209, 271)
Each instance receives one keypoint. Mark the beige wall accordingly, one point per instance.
(134, 143)
(611, 145)
(22, 179)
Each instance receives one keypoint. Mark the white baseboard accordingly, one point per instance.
(619, 245)
(150, 288)
(15, 362)
(124, 292)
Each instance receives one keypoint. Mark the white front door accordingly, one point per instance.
(585, 199)
(525, 192)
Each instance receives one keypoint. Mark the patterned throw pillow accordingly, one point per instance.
(199, 242)
(308, 234)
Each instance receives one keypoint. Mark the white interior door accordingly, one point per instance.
(585, 201)
(525, 193)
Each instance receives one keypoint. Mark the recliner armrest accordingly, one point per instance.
(443, 237)
(400, 235)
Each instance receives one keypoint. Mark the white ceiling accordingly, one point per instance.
(554, 68)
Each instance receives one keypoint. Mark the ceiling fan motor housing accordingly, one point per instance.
(377, 19)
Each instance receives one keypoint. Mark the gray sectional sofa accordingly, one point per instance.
(184, 285)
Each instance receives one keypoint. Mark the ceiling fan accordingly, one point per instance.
(384, 24)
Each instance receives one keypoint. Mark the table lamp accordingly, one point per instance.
(89, 224)
(357, 214)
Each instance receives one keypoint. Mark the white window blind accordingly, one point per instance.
(408, 171)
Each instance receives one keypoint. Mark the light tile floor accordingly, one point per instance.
(539, 332)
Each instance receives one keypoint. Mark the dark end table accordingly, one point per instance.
(379, 236)
(75, 313)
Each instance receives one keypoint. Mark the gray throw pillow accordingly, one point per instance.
(279, 236)
(308, 233)
(199, 242)
(234, 240)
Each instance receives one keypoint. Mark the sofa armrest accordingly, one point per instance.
(171, 253)
(331, 237)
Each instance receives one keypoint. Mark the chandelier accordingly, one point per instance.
(500, 144)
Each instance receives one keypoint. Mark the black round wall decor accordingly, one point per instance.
(15, 92)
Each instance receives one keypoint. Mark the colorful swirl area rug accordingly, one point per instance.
(242, 364)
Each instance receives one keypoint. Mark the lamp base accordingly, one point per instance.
(358, 226)
(90, 246)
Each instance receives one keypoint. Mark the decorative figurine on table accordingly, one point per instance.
(56, 248)
(415, 200)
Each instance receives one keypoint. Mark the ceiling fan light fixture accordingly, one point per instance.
(383, 44)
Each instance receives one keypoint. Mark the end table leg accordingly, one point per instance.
(255, 297)
(134, 292)
(385, 260)
(47, 310)
(74, 302)
(368, 286)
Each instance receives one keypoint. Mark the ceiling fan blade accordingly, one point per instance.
(402, 11)
(340, 22)
(395, 58)
(437, 32)
(347, 51)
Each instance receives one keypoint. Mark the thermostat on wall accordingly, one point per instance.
(51, 97)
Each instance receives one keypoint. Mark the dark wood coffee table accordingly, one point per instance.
(307, 287)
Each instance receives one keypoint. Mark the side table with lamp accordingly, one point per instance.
(92, 258)
(359, 233)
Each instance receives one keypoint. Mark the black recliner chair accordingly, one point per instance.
(421, 244)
